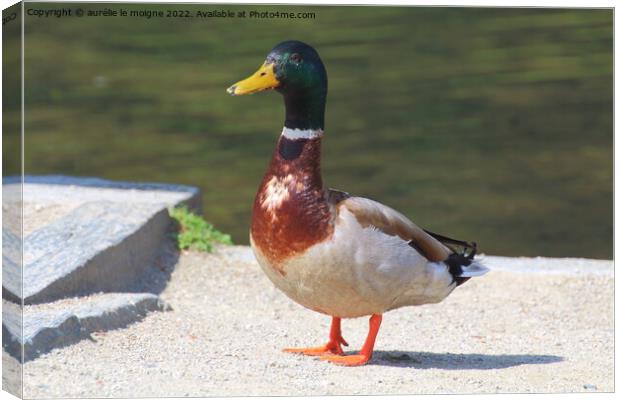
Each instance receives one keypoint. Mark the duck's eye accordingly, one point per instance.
(295, 57)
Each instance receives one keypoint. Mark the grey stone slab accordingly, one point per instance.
(98, 247)
(12, 328)
(11, 262)
(12, 211)
(48, 189)
(68, 321)
(101, 235)
(11, 240)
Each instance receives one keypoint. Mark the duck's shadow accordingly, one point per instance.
(426, 360)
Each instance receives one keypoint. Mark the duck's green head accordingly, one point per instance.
(294, 69)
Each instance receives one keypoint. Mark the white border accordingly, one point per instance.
(470, 3)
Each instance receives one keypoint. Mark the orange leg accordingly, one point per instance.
(332, 347)
(366, 353)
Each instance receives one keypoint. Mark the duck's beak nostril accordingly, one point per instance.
(261, 80)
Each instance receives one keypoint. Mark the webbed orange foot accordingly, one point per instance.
(329, 348)
(332, 347)
(365, 353)
(349, 361)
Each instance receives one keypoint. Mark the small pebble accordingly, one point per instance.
(589, 386)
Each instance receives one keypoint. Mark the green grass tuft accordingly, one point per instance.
(195, 233)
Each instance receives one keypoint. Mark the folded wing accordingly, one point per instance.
(371, 213)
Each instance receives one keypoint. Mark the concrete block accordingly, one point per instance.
(61, 323)
(101, 236)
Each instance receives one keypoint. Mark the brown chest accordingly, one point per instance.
(290, 211)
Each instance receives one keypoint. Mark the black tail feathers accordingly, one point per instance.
(455, 263)
(462, 256)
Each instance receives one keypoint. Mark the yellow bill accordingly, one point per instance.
(263, 79)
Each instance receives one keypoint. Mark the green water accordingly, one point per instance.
(493, 125)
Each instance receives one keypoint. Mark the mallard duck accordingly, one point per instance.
(330, 251)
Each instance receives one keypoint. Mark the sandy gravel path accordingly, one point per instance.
(549, 331)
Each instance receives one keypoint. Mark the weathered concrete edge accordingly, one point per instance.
(149, 235)
(548, 265)
(94, 182)
(12, 273)
(102, 273)
(193, 195)
(73, 327)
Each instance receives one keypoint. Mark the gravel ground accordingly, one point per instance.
(509, 331)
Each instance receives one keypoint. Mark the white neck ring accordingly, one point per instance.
(294, 134)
